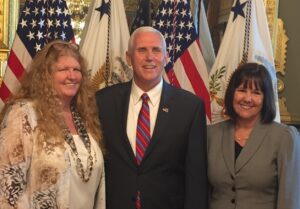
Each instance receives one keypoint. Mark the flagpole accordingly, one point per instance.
(149, 13)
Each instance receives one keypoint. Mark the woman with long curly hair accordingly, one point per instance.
(51, 151)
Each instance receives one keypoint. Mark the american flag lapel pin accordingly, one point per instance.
(165, 109)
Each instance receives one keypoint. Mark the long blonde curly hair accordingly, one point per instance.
(37, 86)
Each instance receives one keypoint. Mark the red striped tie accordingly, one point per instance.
(142, 137)
(143, 130)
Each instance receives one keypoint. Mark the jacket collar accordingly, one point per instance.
(255, 140)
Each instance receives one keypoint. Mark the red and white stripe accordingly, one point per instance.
(17, 62)
(190, 73)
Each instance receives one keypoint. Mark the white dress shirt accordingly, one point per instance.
(135, 104)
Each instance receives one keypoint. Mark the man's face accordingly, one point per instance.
(148, 59)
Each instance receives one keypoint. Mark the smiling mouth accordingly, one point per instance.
(149, 66)
(70, 84)
(246, 106)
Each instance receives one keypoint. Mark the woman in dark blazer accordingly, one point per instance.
(253, 162)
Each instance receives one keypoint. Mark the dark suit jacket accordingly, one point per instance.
(173, 172)
(265, 175)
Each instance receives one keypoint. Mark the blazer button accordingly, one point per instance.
(232, 201)
(233, 189)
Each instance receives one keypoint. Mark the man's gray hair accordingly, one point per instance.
(146, 29)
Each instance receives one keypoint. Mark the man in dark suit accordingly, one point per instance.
(169, 171)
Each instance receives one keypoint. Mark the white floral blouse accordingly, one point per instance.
(35, 175)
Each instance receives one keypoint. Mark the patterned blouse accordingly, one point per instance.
(35, 175)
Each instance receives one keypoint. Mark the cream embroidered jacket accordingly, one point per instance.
(35, 174)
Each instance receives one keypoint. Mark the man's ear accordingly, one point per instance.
(128, 58)
(166, 59)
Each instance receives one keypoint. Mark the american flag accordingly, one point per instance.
(41, 21)
(186, 67)
(202, 27)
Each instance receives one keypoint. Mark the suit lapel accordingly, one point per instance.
(228, 146)
(161, 120)
(122, 103)
(256, 138)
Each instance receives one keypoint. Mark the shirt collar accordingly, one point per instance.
(154, 93)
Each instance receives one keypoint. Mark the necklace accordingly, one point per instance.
(84, 175)
(240, 139)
